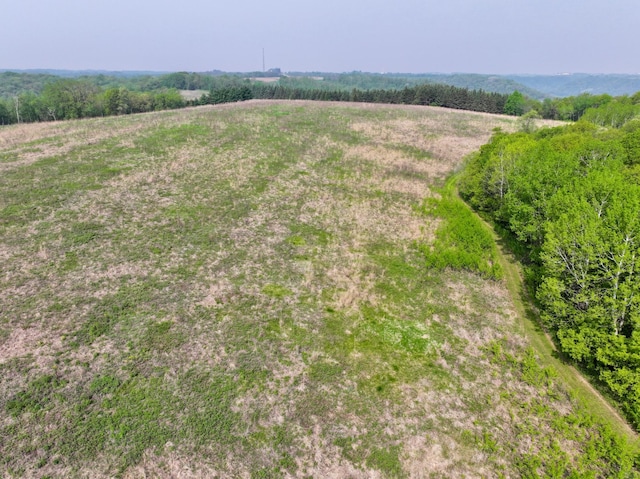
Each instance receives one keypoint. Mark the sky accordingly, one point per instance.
(409, 36)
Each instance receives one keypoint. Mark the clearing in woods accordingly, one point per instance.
(241, 291)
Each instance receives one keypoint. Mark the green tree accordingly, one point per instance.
(117, 101)
(5, 113)
(527, 122)
(515, 104)
(69, 99)
(631, 141)
(614, 113)
(591, 252)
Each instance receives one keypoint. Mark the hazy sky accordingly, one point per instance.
(479, 36)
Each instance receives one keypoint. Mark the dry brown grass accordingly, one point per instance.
(272, 263)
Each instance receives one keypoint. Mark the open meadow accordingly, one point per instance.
(242, 291)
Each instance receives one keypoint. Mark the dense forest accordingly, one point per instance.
(69, 99)
(13, 84)
(427, 94)
(568, 198)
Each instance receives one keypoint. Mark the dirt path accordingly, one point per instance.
(547, 351)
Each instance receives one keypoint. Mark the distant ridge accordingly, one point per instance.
(572, 84)
(81, 73)
(534, 86)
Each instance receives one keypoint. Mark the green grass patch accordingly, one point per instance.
(36, 397)
(462, 241)
(276, 291)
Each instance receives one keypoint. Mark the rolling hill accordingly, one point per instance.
(242, 291)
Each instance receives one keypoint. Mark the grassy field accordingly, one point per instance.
(243, 291)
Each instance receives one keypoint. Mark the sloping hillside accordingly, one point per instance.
(242, 291)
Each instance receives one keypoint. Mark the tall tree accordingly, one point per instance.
(515, 104)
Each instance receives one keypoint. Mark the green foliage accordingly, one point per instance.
(227, 95)
(532, 373)
(65, 99)
(606, 453)
(613, 114)
(461, 240)
(527, 123)
(386, 461)
(425, 94)
(631, 142)
(568, 198)
(276, 291)
(515, 104)
(36, 396)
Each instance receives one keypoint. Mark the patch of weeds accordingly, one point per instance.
(462, 242)
(533, 373)
(70, 261)
(278, 438)
(161, 337)
(325, 372)
(36, 397)
(296, 240)
(12, 213)
(266, 473)
(382, 382)
(24, 205)
(20, 365)
(158, 141)
(60, 305)
(487, 443)
(81, 233)
(124, 419)
(601, 453)
(310, 234)
(333, 156)
(379, 332)
(7, 157)
(106, 384)
(208, 397)
(386, 461)
(276, 291)
(278, 111)
(4, 335)
(111, 310)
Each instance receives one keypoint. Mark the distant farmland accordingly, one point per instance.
(192, 94)
(242, 291)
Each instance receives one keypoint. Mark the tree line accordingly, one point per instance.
(434, 95)
(65, 99)
(72, 99)
(568, 199)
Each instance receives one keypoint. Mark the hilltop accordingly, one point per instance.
(244, 291)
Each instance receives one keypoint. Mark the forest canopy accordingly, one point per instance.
(569, 199)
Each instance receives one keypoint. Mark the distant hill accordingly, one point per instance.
(15, 83)
(84, 73)
(489, 83)
(578, 83)
(539, 87)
